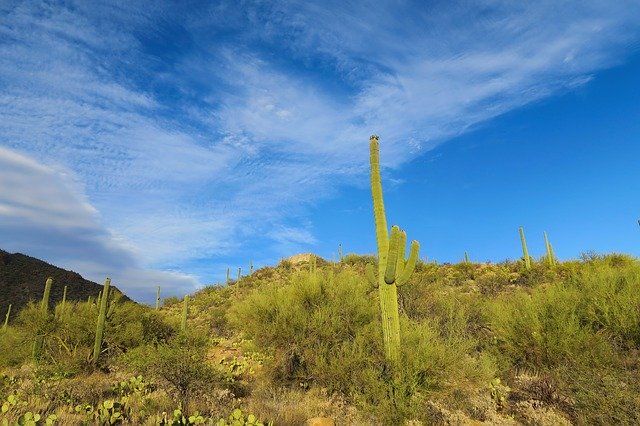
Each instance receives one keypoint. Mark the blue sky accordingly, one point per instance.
(161, 142)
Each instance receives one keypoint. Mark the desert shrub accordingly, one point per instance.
(180, 364)
(324, 330)
(15, 347)
(543, 329)
(358, 260)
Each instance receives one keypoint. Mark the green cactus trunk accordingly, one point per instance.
(466, 258)
(44, 305)
(97, 344)
(548, 247)
(227, 281)
(158, 299)
(392, 268)
(6, 318)
(185, 312)
(527, 259)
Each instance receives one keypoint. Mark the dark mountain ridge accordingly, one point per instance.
(22, 279)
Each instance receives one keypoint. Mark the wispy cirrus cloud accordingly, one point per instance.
(194, 129)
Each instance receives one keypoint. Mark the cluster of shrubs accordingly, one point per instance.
(479, 339)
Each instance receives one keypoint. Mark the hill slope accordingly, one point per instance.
(22, 279)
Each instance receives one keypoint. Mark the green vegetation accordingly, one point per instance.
(550, 343)
(480, 342)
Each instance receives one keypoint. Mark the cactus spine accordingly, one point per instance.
(6, 318)
(185, 312)
(527, 260)
(393, 270)
(158, 299)
(97, 344)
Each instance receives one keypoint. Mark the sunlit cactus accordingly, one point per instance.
(393, 270)
(239, 275)
(45, 297)
(340, 251)
(527, 260)
(6, 318)
(550, 259)
(102, 314)
(227, 280)
(44, 306)
(466, 258)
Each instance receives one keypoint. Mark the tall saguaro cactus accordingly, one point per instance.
(527, 260)
(102, 314)
(393, 270)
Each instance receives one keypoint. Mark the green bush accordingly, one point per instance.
(324, 330)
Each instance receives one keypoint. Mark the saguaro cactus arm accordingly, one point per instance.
(410, 265)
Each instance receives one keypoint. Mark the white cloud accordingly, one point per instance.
(44, 214)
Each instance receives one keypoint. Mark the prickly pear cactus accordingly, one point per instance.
(393, 269)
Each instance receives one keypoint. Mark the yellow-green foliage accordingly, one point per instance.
(324, 330)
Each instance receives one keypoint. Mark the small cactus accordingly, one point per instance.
(45, 297)
(527, 259)
(466, 258)
(158, 299)
(102, 314)
(227, 280)
(340, 251)
(6, 318)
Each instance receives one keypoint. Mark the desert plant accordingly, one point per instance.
(158, 299)
(393, 270)
(44, 307)
(6, 317)
(527, 260)
(97, 345)
(550, 260)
